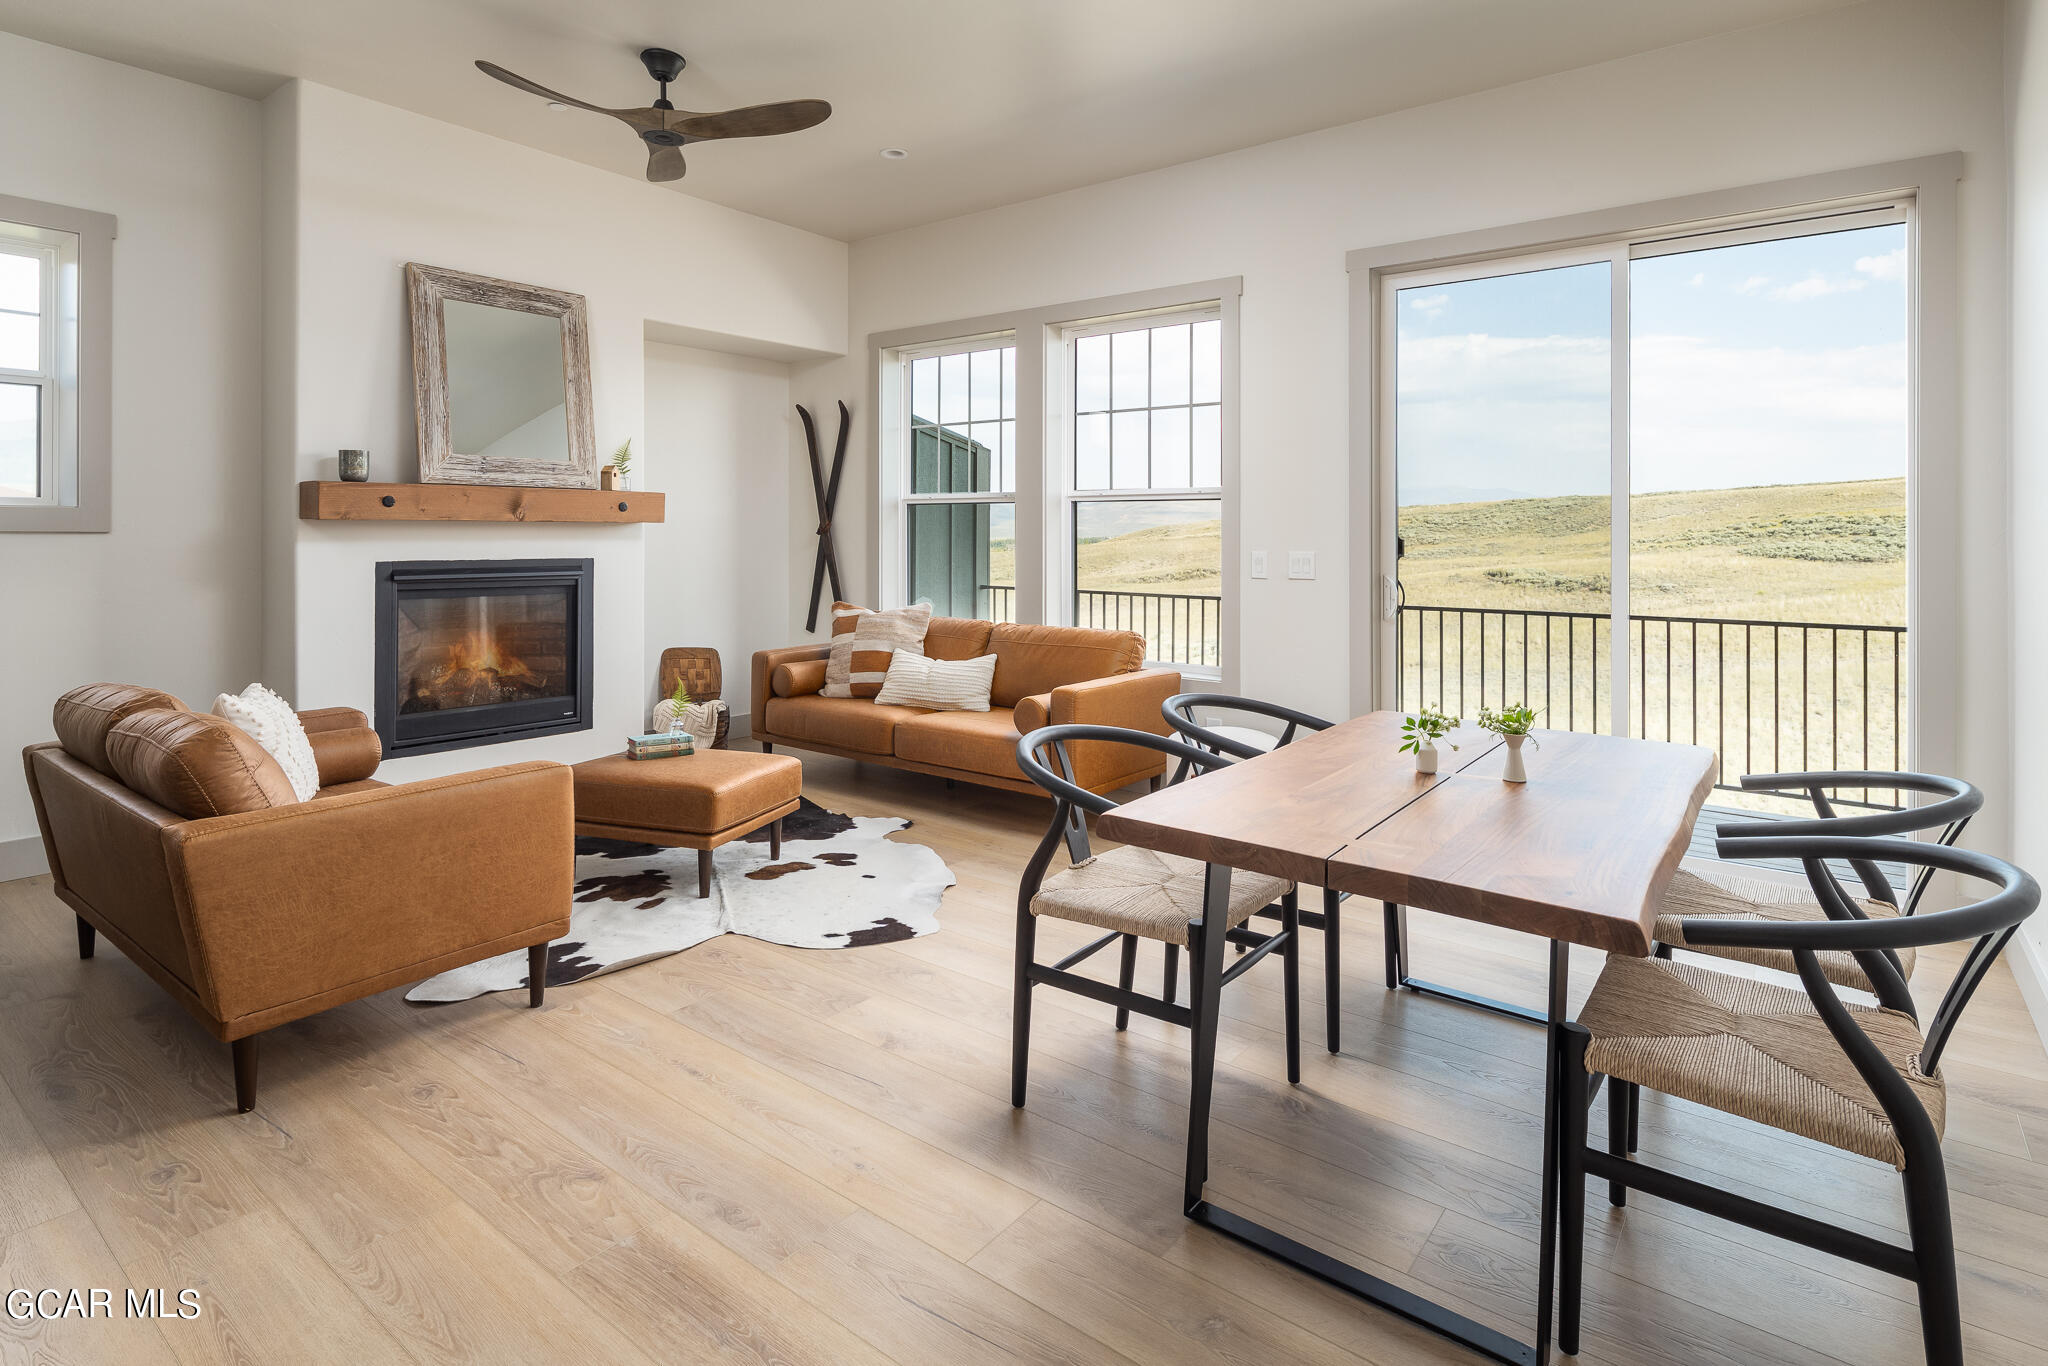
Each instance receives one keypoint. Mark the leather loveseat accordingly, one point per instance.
(176, 836)
(1044, 675)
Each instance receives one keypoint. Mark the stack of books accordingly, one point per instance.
(662, 746)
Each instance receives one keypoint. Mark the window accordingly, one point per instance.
(960, 524)
(1074, 464)
(31, 429)
(53, 392)
(1145, 499)
(1657, 486)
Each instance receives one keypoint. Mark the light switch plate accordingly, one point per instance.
(1301, 564)
(1258, 564)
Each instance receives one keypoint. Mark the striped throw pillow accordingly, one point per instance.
(941, 684)
(863, 641)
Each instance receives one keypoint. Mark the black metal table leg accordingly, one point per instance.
(1488, 1342)
(1553, 1095)
(1205, 944)
(1396, 921)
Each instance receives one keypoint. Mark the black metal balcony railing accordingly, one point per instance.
(1179, 628)
(1764, 695)
(996, 602)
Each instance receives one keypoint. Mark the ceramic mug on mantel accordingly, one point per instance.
(355, 467)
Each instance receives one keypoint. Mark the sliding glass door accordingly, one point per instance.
(1722, 490)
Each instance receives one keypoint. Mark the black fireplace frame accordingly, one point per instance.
(431, 732)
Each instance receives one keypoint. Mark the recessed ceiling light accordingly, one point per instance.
(893, 154)
(557, 106)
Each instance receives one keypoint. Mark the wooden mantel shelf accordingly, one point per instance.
(331, 501)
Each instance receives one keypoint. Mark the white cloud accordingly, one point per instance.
(1752, 284)
(1888, 267)
(1815, 286)
(1430, 304)
(1699, 278)
(1708, 416)
(1531, 413)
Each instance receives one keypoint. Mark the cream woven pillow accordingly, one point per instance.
(941, 684)
(270, 721)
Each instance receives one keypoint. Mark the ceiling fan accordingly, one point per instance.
(666, 129)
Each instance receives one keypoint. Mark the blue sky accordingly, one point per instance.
(1771, 362)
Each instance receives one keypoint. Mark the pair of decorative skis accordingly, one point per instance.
(826, 491)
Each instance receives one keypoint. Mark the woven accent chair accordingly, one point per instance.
(1140, 894)
(1246, 742)
(697, 668)
(1754, 899)
(1861, 1078)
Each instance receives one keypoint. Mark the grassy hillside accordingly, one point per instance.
(1790, 552)
(1182, 558)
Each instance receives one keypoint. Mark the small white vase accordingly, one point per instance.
(1514, 772)
(1425, 758)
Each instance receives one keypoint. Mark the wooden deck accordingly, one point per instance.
(1702, 847)
(753, 1153)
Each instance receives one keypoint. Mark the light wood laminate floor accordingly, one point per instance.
(747, 1152)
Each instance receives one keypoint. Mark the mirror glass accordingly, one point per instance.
(506, 393)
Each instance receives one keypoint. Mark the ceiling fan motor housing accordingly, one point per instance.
(662, 64)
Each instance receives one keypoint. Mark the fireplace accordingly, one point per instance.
(473, 652)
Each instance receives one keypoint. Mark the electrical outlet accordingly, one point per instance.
(1258, 564)
(1301, 564)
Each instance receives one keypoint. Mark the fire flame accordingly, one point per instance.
(478, 651)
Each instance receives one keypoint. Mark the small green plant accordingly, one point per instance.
(622, 458)
(1425, 728)
(681, 696)
(1514, 720)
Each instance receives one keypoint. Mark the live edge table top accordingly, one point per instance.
(1581, 852)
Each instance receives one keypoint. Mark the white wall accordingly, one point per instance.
(718, 427)
(1850, 87)
(172, 595)
(378, 187)
(2027, 105)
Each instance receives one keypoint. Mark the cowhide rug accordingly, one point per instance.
(839, 884)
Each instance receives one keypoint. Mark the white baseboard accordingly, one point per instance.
(2031, 973)
(22, 858)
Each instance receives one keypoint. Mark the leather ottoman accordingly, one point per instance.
(696, 802)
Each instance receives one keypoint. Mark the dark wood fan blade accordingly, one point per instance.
(755, 121)
(636, 118)
(492, 69)
(665, 163)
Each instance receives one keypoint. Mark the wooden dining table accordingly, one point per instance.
(1579, 854)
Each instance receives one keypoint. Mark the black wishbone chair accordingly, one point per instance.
(1243, 742)
(1861, 1078)
(1692, 895)
(1139, 894)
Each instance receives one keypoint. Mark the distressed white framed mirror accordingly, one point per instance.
(501, 381)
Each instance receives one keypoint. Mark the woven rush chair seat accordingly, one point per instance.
(1729, 897)
(1146, 893)
(1750, 1048)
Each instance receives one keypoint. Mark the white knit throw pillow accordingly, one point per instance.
(271, 723)
(941, 684)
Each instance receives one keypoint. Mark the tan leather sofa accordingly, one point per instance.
(175, 835)
(1044, 675)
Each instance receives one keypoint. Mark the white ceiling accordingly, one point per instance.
(996, 100)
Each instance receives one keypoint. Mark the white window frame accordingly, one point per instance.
(1061, 575)
(1922, 191)
(74, 448)
(1043, 591)
(902, 455)
(55, 378)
